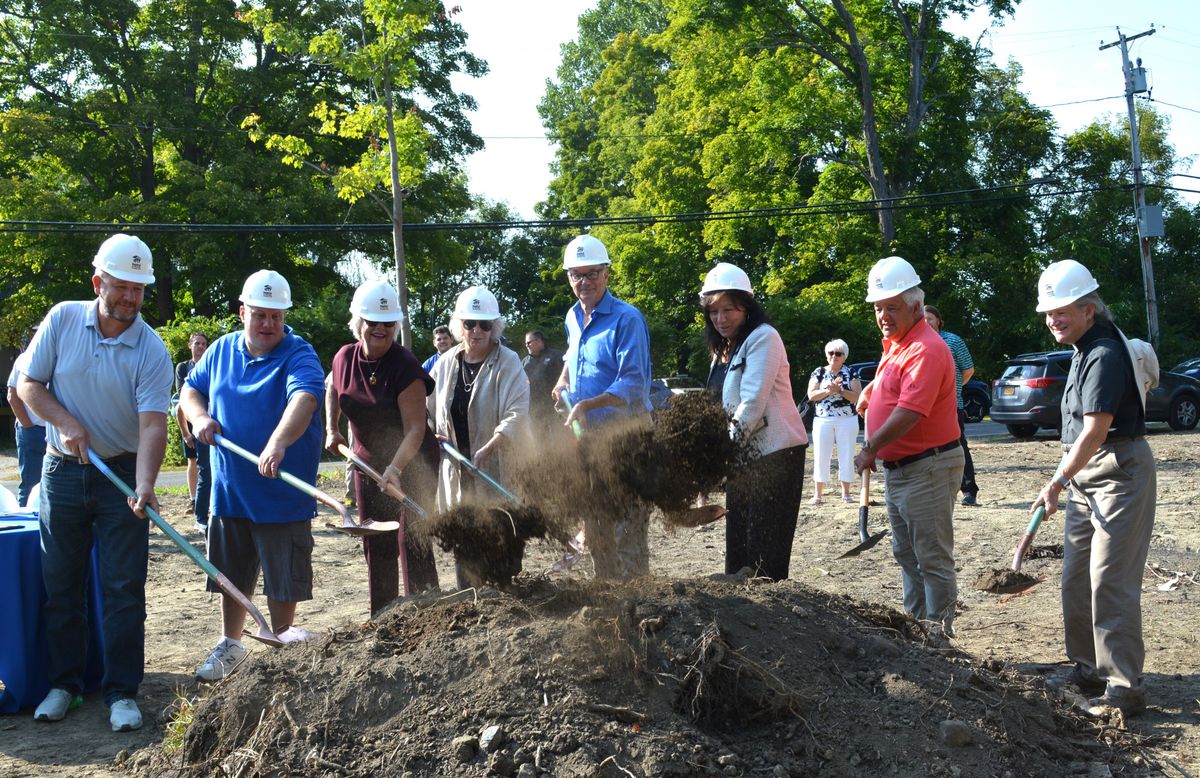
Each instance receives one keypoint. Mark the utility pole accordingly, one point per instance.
(1149, 221)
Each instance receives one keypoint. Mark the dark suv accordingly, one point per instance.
(1028, 395)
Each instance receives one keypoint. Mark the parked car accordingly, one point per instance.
(663, 389)
(977, 399)
(1028, 396)
(1189, 368)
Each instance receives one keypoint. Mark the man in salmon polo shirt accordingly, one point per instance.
(912, 428)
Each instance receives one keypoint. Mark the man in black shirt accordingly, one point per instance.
(543, 366)
(1109, 468)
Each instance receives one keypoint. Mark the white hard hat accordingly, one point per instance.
(126, 257)
(889, 277)
(725, 276)
(267, 289)
(476, 303)
(583, 251)
(1062, 283)
(376, 301)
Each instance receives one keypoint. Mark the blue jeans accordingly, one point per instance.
(203, 482)
(31, 447)
(79, 503)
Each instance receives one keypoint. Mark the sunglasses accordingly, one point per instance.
(372, 324)
(471, 324)
(590, 275)
(834, 354)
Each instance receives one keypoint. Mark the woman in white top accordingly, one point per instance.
(750, 374)
(834, 391)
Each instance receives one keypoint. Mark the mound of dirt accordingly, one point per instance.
(718, 676)
(1002, 581)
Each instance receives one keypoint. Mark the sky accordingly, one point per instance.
(1056, 42)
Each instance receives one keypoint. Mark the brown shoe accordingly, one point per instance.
(1131, 703)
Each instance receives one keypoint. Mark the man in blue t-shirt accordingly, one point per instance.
(261, 388)
(964, 368)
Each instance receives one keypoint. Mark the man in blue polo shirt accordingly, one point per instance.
(101, 378)
(261, 388)
(606, 376)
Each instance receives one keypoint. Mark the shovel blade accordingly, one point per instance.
(866, 544)
(264, 635)
(698, 517)
(366, 528)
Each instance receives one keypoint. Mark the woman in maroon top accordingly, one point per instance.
(380, 387)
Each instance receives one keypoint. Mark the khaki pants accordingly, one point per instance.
(619, 544)
(920, 503)
(1109, 519)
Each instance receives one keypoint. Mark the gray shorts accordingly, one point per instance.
(238, 547)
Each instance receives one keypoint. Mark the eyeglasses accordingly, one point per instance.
(590, 275)
(486, 326)
(835, 353)
(384, 324)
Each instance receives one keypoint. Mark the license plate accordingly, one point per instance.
(1009, 391)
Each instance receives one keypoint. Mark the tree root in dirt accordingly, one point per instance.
(724, 686)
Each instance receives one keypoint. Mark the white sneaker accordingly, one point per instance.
(56, 705)
(124, 715)
(221, 661)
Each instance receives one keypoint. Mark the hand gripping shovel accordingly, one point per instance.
(458, 456)
(264, 631)
(391, 491)
(866, 540)
(348, 525)
(1027, 538)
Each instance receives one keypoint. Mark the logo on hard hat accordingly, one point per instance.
(383, 303)
(475, 306)
(266, 291)
(137, 262)
(878, 282)
(581, 252)
(1048, 288)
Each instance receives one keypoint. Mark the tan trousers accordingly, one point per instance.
(619, 544)
(1109, 519)
(920, 503)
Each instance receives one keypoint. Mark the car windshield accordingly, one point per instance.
(1022, 370)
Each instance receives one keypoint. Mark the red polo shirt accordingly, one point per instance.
(916, 373)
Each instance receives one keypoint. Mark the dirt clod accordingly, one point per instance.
(1001, 581)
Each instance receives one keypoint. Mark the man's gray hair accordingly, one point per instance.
(914, 296)
(1102, 312)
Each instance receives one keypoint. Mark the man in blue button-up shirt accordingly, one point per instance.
(606, 376)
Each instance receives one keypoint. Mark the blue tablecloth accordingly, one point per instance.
(22, 626)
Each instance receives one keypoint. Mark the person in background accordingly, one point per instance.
(912, 425)
(480, 404)
(29, 432)
(964, 368)
(751, 376)
(199, 479)
(381, 389)
(101, 378)
(543, 365)
(606, 377)
(442, 342)
(1109, 469)
(261, 388)
(834, 391)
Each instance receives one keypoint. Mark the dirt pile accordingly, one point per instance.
(489, 543)
(711, 676)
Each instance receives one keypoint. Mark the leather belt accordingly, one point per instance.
(918, 457)
(1111, 440)
(52, 451)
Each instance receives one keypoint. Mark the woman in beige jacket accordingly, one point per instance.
(480, 403)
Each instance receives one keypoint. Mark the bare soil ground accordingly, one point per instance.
(687, 673)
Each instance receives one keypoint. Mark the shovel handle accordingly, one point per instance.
(374, 475)
(576, 427)
(1027, 538)
(457, 455)
(291, 480)
(187, 548)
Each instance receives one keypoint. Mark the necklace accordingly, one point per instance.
(465, 367)
(374, 370)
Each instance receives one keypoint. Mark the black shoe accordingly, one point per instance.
(1087, 684)
(1131, 703)
(969, 499)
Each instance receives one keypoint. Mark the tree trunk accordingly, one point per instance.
(397, 218)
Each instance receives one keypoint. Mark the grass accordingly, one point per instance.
(180, 490)
(184, 713)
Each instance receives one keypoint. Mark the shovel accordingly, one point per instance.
(348, 525)
(458, 456)
(866, 540)
(1027, 538)
(264, 631)
(391, 491)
